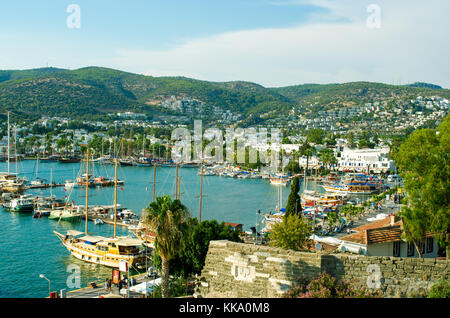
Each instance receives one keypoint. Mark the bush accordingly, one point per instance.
(440, 290)
(326, 286)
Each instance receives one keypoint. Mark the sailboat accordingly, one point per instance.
(143, 161)
(10, 182)
(101, 250)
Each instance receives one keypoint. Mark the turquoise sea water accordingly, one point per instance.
(28, 247)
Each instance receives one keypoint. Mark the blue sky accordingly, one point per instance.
(272, 42)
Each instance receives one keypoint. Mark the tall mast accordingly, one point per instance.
(115, 198)
(201, 194)
(87, 189)
(315, 179)
(179, 187)
(154, 182)
(176, 182)
(51, 181)
(15, 148)
(8, 144)
(143, 147)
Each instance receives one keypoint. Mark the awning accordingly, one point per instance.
(74, 233)
(146, 287)
(92, 239)
(129, 242)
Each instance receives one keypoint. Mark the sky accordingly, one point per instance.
(270, 42)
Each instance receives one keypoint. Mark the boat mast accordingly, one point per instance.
(15, 148)
(176, 181)
(87, 188)
(154, 182)
(115, 198)
(8, 144)
(201, 194)
(179, 187)
(51, 181)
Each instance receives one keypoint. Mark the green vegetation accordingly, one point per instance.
(326, 286)
(294, 204)
(165, 218)
(190, 259)
(94, 93)
(440, 290)
(423, 162)
(292, 233)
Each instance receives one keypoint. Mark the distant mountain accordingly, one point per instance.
(92, 92)
(424, 85)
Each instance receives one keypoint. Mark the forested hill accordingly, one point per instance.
(93, 92)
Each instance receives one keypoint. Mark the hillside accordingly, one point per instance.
(92, 92)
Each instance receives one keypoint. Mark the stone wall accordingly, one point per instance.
(236, 270)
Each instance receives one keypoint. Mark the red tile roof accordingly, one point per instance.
(376, 232)
(384, 234)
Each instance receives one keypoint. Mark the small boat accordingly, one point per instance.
(69, 160)
(68, 213)
(99, 221)
(24, 204)
(279, 181)
(126, 162)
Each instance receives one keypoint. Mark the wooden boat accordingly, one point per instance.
(69, 160)
(101, 250)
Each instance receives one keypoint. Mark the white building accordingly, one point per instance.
(364, 160)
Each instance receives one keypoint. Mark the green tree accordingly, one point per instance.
(294, 205)
(166, 218)
(315, 136)
(196, 238)
(292, 233)
(423, 162)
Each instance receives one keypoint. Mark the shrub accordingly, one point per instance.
(326, 286)
(440, 290)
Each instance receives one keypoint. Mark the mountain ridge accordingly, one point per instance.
(93, 91)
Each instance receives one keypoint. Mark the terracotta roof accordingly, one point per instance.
(232, 224)
(384, 234)
(376, 232)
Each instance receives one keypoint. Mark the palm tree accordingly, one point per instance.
(165, 218)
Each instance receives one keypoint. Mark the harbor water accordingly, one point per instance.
(28, 246)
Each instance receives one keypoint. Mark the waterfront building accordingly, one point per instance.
(364, 160)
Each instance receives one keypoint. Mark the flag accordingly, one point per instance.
(121, 188)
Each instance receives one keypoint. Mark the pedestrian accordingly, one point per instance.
(120, 285)
(107, 284)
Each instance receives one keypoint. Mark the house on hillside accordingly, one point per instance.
(384, 238)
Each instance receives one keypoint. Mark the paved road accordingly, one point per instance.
(89, 292)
